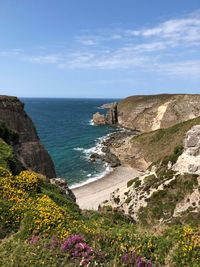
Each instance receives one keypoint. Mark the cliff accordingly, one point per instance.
(142, 150)
(151, 112)
(169, 191)
(28, 151)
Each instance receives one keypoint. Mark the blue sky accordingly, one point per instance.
(99, 48)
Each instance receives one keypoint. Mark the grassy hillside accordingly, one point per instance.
(6, 154)
(41, 226)
(155, 145)
(131, 102)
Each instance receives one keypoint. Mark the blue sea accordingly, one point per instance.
(65, 129)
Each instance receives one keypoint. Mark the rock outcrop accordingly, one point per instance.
(189, 161)
(149, 113)
(30, 153)
(112, 114)
(169, 190)
(63, 186)
(99, 119)
(111, 117)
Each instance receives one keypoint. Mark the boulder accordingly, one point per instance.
(111, 159)
(99, 119)
(189, 161)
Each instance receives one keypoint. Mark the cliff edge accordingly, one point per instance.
(29, 152)
(151, 112)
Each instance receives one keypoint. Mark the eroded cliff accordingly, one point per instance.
(151, 112)
(29, 152)
(170, 190)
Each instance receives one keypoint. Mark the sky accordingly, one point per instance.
(99, 48)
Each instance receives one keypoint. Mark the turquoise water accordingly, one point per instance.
(64, 127)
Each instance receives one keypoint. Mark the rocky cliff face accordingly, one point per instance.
(149, 113)
(111, 117)
(29, 151)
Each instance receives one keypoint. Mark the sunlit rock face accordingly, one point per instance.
(149, 113)
(189, 161)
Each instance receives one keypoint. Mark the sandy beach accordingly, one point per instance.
(89, 196)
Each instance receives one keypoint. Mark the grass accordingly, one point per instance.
(162, 203)
(110, 233)
(7, 159)
(156, 145)
(9, 136)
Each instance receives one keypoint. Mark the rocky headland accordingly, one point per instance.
(151, 112)
(161, 139)
(29, 152)
(20, 146)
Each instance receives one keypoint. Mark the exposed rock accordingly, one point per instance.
(29, 151)
(108, 157)
(149, 113)
(108, 105)
(63, 186)
(155, 198)
(189, 161)
(170, 191)
(111, 159)
(95, 156)
(112, 116)
(99, 119)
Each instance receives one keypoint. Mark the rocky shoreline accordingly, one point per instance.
(112, 140)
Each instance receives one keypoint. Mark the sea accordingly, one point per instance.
(66, 130)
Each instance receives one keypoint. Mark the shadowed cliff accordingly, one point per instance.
(29, 152)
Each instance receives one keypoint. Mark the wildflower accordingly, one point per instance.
(34, 239)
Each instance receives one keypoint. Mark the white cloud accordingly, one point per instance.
(149, 49)
(11, 52)
(85, 41)
(48, 59)
(187, 69)
(185, 29)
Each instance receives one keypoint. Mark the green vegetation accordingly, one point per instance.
(40, 226)
(162, 203)
(9, 136)
(130, 182)
(7, 139)
(7, 159)
(131, 102)
(37, 221)
(174, 156)
(156, 145)
(135, 182)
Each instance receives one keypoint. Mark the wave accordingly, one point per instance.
(78, 148)
(94, 178)
(91, 123)
(95, 149)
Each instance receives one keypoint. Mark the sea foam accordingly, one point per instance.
(94, 178)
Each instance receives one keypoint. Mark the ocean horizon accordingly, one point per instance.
(65, 128)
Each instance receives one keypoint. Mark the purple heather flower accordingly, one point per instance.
(71, 241)
(128, 258)
(54, 243)
(77, 248)
(149, 264)
(34, 239)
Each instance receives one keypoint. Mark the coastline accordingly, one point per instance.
(90, 195)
